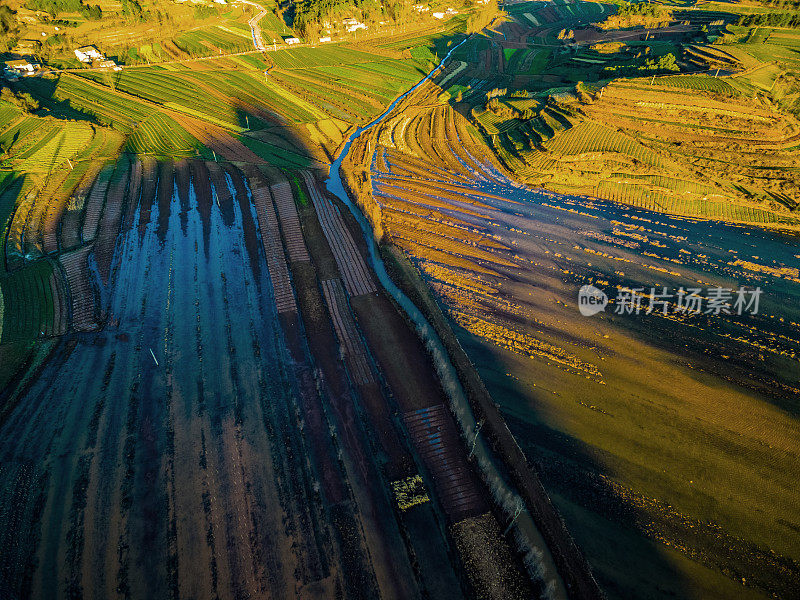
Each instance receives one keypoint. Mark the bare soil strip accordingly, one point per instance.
(76, 268)
(356, 276)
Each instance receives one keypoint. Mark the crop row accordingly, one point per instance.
(528, 61)
(354, 271)
(493, 123)
(76, 268)
(686, 203)
(383, 85)
(593, 137)
(703, 83)
(40, 145)
(273, 248)
(309, 57)
(271, 23)
(161, 135)
(253, 88)
(333, 101)
(23, 134)
(58, 148)
(121, 113)
(34, 303)
(8, 112)
(210, 40)
(275, 155)
(639, 94)
(165, 87)
(375, 94)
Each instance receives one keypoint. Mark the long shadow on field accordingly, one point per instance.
(44, 90)
(622, 540)
(186, 363)
(605, 526)
(176, 412)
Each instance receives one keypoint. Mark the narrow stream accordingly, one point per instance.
(538, 556)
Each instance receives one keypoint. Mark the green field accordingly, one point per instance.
(162, 136)
(30, 289)
(674, 198)
(307, 85)
(214, 39)
(702, 83)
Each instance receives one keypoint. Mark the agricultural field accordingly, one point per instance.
(215, 39)
(609, 138)
(196, 328)
(246, 95)
(634, 178)
(489, 249)
(239, 93)
(232, 249)
(144, 31)
(246, 354)
(702, 83)
(35, 147)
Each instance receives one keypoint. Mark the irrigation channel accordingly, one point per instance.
(531, 539)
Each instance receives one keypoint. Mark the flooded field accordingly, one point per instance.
(236, 411)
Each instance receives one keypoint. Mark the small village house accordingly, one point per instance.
(13, 69)
(88, 54)
(109, 64)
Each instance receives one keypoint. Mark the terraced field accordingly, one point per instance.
(37, 147)
(702, 83)
(618, 140)
(505, 263)
(725, 133)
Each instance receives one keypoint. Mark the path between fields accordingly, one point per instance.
(377, 33)
(255, 29)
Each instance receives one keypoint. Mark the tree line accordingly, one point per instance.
(54, 7)
(770, 20)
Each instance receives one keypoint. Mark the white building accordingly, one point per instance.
(327, 38)
(109, 64)
(355, 27)
(438, 15)
(22, 66)
(87, 54)
(292, 40)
